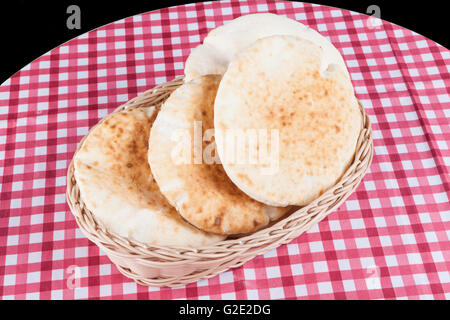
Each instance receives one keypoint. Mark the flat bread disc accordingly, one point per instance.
(182, 159)
(311, 119)
(224, 43)
(116, 184)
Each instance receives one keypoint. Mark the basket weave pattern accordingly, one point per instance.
(175, 266)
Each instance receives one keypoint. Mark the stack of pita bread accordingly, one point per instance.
(169, 177)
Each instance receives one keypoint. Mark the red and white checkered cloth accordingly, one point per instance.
(389, 240)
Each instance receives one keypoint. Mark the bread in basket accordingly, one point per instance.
(175, 266)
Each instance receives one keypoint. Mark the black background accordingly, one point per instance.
(31, 28)
(280, 309)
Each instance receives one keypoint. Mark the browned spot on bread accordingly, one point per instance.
(129, 165)
(245, 177)
(132, 147)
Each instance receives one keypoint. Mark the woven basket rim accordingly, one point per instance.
(162, 255)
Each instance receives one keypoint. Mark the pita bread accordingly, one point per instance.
(116, 184)
(201, 192)
(224, 43)
(276, 84)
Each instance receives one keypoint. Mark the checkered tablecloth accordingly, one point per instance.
(389, 240)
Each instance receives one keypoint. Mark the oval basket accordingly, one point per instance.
(175, 266)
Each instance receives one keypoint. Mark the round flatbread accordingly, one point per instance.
(116, 184)
(182, 159)
(224, 43)
(311, 120)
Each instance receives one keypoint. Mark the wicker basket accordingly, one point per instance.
(175, 266)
